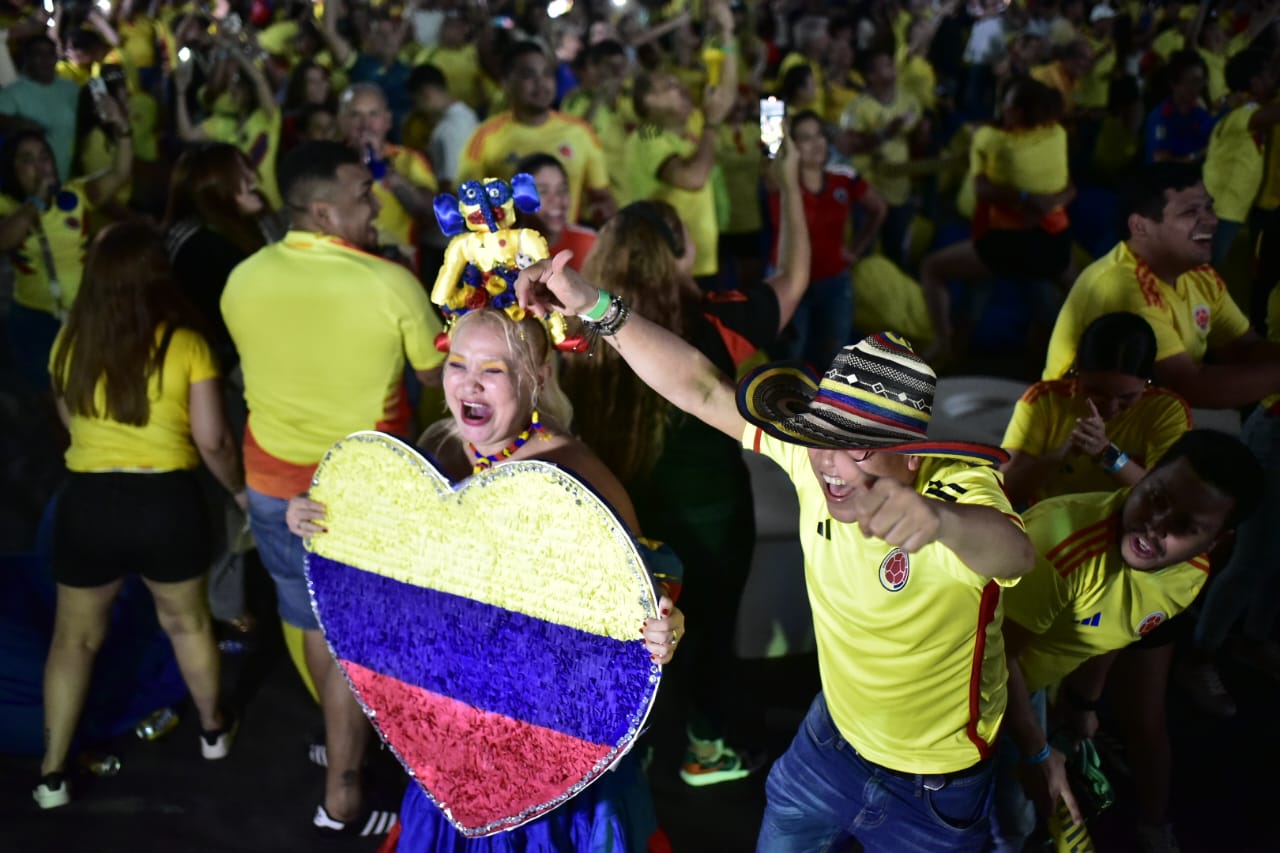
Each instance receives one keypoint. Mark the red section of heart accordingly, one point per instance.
(482, 766)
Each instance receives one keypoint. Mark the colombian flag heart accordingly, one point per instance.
(490, 629)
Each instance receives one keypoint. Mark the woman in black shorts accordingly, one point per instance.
(137, 388)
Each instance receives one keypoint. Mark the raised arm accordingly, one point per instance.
(261, 86)
(187, 131)
(794, 247)
(343, 52)
(104, 186)
(662, 360)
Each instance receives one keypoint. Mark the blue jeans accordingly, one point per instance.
(1250, 583)
(284, 557)
(821, 792)
(823, 322)
(1013, 817)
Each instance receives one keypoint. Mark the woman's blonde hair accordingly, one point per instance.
(530, 351)
(636, 256)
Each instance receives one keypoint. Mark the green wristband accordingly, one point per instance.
(597, 312)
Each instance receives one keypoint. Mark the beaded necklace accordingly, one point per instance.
(483, 461)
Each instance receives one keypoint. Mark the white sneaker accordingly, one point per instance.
(1157, 838)
(1204, 685)
(52, 791)
(216, 745)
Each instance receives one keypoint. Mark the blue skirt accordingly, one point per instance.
(614, 815)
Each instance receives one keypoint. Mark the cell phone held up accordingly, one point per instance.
(772, 112)
(98, 90)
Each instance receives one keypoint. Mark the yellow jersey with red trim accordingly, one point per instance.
(499, 143)
(1192, 316)
(395, 226)
(1082, 600)
(1045, 416)
(49, 282)
(323, 330)
(910, 648)
(164, 442)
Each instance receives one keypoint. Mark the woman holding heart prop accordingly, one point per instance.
(505, 404)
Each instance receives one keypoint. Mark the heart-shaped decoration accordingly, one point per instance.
(490, 629)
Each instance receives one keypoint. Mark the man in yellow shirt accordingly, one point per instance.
(404, 184)
(880, 126)
(324, 329)
(907, 546)
(530, 126)
(1109, 570)
(601, 101)
(671, 156)
(1233, 167)
(1162, 273)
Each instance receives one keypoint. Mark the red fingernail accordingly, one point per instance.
(666, 612)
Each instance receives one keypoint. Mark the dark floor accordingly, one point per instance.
(166, 798)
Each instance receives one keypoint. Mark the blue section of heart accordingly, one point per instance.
(574, 682)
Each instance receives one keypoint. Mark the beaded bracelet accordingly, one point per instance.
(597, 312)
(613, 319)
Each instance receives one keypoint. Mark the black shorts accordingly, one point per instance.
(1029, 254)
(111, 524)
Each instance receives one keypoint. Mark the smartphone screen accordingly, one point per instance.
(772, 111)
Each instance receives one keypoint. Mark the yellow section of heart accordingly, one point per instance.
(524, 536)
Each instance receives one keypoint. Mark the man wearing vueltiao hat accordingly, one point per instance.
(907, 544)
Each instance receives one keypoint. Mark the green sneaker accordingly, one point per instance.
(726, 765)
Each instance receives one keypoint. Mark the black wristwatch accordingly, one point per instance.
(1113, 459)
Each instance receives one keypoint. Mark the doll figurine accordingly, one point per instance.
(488, 251)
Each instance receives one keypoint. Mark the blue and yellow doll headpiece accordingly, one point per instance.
(487, 280)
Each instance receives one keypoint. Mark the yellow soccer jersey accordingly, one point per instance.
(840, 93)
(66, 228)
(885, 169)
(739, 158)
(394, 224)
(461, 69)
(499, 143)
(610, 125)
(647, 149)
(258, 138)
(1193, 316)
(164, 443)
(1045, 416)
(353, 319)
(1081, 599)
(910, 648)
(1233, 166)
(1094, 89)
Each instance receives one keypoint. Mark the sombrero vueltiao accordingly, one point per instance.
(877, 395)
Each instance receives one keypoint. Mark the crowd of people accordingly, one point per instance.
(744, 227)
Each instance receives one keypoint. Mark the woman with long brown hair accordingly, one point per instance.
(689, 484)
(138, 390)
(216, 217)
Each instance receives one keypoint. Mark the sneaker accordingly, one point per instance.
(374, 822)
(1157, 838)
(217, 744)
(1204, 685)
(725, 765)
(52, 791)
